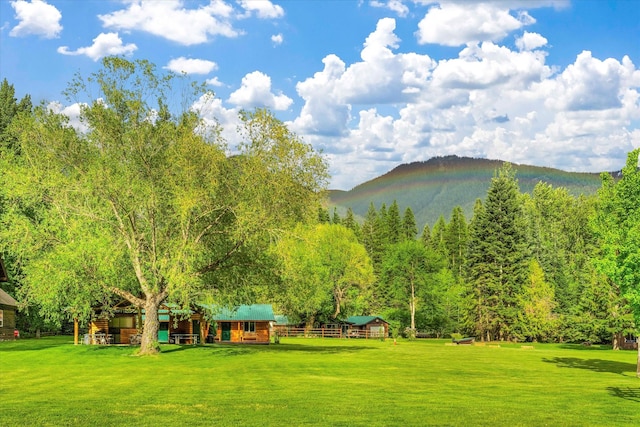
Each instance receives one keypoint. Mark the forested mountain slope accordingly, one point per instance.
(435, 187)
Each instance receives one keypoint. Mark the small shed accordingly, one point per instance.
(368, 327)
(244, 324)
(8, 308)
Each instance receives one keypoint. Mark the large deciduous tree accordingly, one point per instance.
(406, 272)
(146, 204)
(325, 266)
(618, 225)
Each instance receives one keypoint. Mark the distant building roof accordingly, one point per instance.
(281, 319)
(7, 299)
(364, 320)
(255, 312)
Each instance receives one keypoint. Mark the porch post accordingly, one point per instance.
(75, 331)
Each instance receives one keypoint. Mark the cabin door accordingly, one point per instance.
(226, 331)
(195, 328)
(163, 332)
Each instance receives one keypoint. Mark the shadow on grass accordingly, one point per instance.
(235, 350)
(627, 393)
(176, 348)
(31, 344)
(586, 347)
(331, 349)
(596, 365)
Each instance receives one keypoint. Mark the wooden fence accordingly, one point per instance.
(326, 333)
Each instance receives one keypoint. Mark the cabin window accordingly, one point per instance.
(1, 318)
(249, 326)
(121, 322)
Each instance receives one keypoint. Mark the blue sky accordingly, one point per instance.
(372, 83)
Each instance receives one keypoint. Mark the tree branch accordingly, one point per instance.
(218, 263)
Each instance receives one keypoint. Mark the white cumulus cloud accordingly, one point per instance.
(256, 92)
(191, 66)
(453, 24)
(391, 107)
(214, 81)
(104, 44)
(277, 39)
(396, 6)
(36, 18)
(262, 8)
(530, 41)
(171, 19)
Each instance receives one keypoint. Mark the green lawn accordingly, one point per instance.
(317, 382)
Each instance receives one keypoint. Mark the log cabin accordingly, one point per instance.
(368, 327)
(249, 324)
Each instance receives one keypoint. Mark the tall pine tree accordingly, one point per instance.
(409, 227)
(498, 262)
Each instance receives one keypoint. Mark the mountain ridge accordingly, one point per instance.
(435, 186)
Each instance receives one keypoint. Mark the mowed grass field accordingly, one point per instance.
(51, 382)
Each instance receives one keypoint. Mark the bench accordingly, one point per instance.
(249, 338)
(177, 338)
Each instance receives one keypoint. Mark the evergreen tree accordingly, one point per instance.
(409, 227)
(498, 262)
(323, 216)
(351, 223)
(371, 238)
(394, 224)
(425, 237)
(456, 237)
(382, 226)
(438, 237)
(335, 219)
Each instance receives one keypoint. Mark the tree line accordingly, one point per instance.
(151, 206)
(524, 267)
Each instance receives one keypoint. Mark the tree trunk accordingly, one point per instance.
(204, 331)
(149, 343)
(412, 307)
(618, 338)
(309, 325)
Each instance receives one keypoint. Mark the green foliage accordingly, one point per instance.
(406, 272)
(456, 241)
(351, 223)
(536, 320)
(393, 224)
(618, 226)
(409, 228)
(497, 260)
(144, 204)
(327, 273)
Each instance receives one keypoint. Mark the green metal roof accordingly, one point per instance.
(363, 320)
(253, 312)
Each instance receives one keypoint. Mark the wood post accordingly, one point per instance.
(75, 331)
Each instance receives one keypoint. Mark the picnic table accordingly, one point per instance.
(187, 338)
(98, 338)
